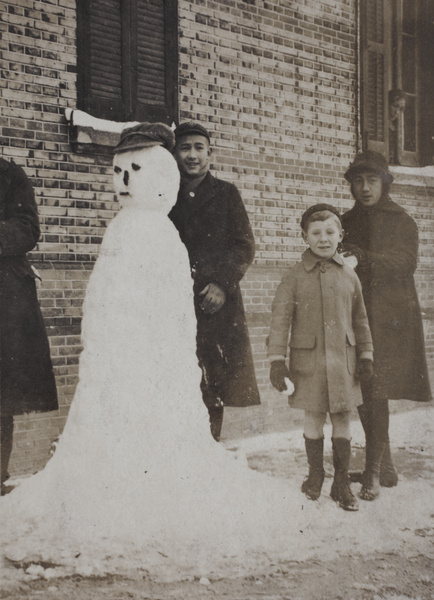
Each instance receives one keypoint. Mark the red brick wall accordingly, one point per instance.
(274, 82)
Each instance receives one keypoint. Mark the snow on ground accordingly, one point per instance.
(399, 521)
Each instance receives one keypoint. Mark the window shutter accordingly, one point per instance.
(376, 73)
(100, 57)
(426, 24)
(151, 65)
(153, 56)
(128, 55)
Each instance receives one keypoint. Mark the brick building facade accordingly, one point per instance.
(276, 83)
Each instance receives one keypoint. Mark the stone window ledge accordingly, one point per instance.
(417, 176)
(89, 135)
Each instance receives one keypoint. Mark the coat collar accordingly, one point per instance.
(309, 259)
(203, 193)
(385, 206)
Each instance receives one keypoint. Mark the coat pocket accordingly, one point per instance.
(351, 352)
(302, 357)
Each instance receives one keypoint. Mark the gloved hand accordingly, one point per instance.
(213, 298)
(278, 372)
(353, 250)
(365, 369)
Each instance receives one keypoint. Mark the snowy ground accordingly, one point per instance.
(396, 562)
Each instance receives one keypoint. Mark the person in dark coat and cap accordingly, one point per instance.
(27, 381)
(384, 239)
(213, 224)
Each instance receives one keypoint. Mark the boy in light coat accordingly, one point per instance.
(319, 308)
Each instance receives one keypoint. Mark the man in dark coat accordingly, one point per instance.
(213, 224)
(26, 374)
(384, 239)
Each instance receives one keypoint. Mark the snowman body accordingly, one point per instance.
(137, 481)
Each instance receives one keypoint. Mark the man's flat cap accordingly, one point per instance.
(145, 135)
(191, 128)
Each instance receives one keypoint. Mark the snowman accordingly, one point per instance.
(136, 480)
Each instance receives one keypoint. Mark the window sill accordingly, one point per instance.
(417, 176)
(89, 135)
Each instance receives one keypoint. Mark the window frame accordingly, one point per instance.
(390, 52)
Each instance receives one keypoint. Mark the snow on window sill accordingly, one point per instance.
(89, 134)
(417, 176)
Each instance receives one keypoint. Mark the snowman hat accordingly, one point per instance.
(145, 135)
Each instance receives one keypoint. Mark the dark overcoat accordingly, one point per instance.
(390, 238)
(26, 372)
(214, 226)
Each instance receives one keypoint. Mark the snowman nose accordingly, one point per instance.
(126, 177)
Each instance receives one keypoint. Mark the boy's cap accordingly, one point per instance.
(191, 128)
(318, 208)
(369, 161)
(145, 135)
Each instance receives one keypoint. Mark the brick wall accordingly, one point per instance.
(274, 82)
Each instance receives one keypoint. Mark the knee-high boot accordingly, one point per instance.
(371, 479)
(312, 485)
(341, 489)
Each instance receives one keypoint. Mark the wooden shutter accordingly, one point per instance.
(128, 56)
(376, 73)
(425, 123)
(154, 82)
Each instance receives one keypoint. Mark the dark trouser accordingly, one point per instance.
(379, 469)
(6, 438)
(374, 416)
(216, 421)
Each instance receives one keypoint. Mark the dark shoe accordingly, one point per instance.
(6, 489)
(342, 494)
(312, 485)
(371, 480)
(388, 474)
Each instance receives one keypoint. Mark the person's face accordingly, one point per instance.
(323, 237)
(367, 188)
(395, 107)
(192, 153)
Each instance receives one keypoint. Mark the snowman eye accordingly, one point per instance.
(117, 169)
(136, 167)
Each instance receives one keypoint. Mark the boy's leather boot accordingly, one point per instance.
(341, 489)
(371, 478)
(315, 457)
(388, 474)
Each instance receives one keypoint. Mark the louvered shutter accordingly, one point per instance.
(128, 57)
(376, 73)
(151, 56)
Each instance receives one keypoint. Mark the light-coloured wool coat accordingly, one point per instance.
(319, 307)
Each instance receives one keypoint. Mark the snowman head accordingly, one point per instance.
(147, 178)
(145, 174)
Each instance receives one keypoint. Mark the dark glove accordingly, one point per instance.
(365, 370)
(278, 372)
(353, 250)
